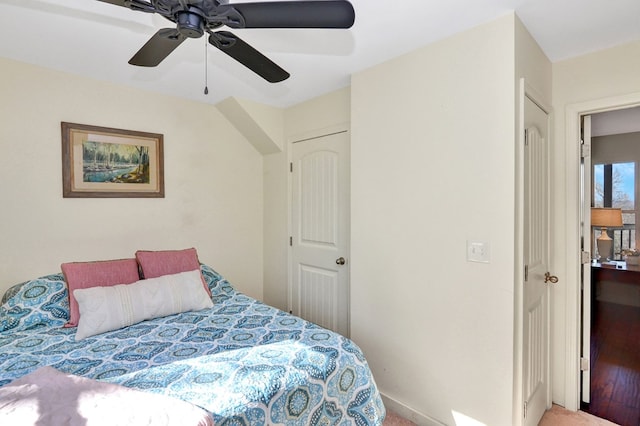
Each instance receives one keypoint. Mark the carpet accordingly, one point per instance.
(558, 416)
(393, 419)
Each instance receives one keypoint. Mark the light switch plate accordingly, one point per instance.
(478, 251)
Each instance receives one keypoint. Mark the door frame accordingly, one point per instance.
(573, 206)
(300, 137)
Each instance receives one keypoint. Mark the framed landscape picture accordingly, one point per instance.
(100, 162)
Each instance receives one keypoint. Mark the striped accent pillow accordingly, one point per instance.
(110, 308)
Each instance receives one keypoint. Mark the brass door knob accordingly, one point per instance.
(548, 278)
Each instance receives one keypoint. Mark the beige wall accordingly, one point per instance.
(531, 63)
(608, 77)
(618, 148)
(433, 161)
(213, 181)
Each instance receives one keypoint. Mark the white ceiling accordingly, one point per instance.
(96, 39)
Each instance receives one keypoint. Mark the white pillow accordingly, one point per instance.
(110, 308)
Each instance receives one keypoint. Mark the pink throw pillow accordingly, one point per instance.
(94, 274)
(155, 264)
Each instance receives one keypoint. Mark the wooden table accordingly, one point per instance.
(620, 272)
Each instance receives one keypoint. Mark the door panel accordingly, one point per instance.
(320, 224)
(536, 318)
(319, 295)
(318, 194)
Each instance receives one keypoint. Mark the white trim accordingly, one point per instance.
(318, 133)
(572, 233)
(518, 321)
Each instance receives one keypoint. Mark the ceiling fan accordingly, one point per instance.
(195, 17)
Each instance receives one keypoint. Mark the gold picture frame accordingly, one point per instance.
(101, 162)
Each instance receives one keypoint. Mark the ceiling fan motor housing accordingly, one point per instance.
(190, 23)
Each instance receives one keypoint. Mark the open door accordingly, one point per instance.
(585, 171)
(536, 293)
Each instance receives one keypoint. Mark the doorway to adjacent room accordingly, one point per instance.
(611, 285)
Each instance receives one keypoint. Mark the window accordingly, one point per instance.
(614, 186)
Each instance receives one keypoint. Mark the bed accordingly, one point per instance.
(241, 361)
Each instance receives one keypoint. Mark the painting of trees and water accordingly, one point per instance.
(102, 162)
(115, 163)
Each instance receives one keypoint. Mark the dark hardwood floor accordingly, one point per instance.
(615, 363)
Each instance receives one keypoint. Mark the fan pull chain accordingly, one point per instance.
(206, 66)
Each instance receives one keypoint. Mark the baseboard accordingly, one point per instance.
(409, 413)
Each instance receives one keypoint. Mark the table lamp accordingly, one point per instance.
(604, 218)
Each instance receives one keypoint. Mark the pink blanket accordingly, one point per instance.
(50, 397)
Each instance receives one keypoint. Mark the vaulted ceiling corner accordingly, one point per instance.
(261, 124)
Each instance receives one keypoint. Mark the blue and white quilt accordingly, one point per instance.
(243, 361)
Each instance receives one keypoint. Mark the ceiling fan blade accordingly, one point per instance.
(295, 14)
(248, 56)
(116, 2)
(157, 48)
(140, 5)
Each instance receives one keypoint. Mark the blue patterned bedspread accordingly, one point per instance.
(243, 361)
